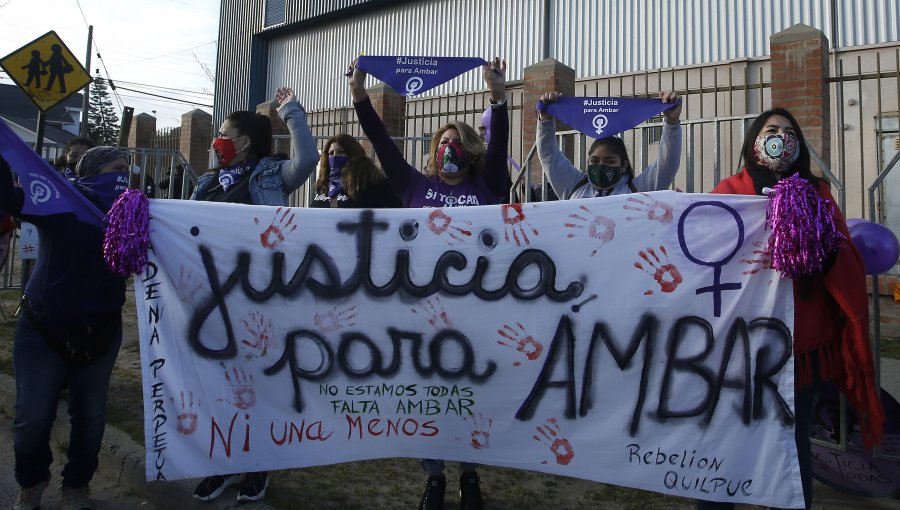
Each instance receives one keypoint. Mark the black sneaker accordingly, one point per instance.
(433, 498)
(213, 486)
(469, 492)
(253, 488)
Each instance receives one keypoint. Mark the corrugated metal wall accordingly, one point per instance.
(237, 20)
(314, 60)
(595, 37)
(608, 36)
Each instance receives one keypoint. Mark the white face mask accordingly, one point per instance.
(776, 152)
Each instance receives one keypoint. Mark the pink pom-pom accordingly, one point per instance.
(127, 234)
(803, 232)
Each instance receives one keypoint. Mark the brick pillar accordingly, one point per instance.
(800, 83)
(143, 128)
(545, 76)
(196, 136)
(391, 107)
(279, 128)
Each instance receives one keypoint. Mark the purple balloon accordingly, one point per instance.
(855, 221)
(877, 245)
(486, 124)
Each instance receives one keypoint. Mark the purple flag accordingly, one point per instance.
(600, 117)
(414, 75)
(46, 191)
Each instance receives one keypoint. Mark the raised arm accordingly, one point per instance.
(399, 172)
(661, 173)
(496, 171)
(295, 171)
(561, 173)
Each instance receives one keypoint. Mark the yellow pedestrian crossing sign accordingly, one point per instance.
(46, 70)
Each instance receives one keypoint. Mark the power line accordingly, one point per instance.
(164, 88)
(166, 97)
(100, 58)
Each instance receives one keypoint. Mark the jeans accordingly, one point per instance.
(40, 376)
(803, 408)
(436, 467)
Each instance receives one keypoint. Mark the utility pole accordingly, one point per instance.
(85, 103)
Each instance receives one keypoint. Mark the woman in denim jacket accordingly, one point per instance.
(248, 175)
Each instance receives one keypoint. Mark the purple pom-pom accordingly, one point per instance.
(803, 230)
(127, 234)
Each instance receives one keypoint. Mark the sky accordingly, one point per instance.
(161, 47)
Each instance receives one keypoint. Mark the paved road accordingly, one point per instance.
(106, 494)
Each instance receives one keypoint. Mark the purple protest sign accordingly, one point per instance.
(854, 470)
(414, 75)
(600, 117)
(46, 191)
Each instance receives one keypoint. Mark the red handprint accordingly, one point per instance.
(260, 328)
(335, 318)
(440, 224)
(481, 432)
(762, 260)
(434, 312)
(241, 387)
(598, 227)
(520, 341)
(666, 275)
(186, 420)
(187, 285)
(551, 435)
(514, 221)
(654, 209)
(275, 233)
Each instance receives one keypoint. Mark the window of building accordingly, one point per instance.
(274, 12)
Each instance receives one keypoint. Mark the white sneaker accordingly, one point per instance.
(76, 498)
(30, 498)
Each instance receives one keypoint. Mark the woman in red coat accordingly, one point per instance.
(831, 311)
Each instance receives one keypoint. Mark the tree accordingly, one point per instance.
(103, 122)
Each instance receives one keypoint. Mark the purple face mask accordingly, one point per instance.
(335, 165)
(106, 187)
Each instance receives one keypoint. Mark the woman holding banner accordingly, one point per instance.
(609, 170)
(248, 175)
(68, 334)
(348, 178)
(831, 315)
(461, 172)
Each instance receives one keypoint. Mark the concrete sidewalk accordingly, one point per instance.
(123, 460)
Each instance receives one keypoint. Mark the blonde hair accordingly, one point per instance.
(472, 143)
(359, 171)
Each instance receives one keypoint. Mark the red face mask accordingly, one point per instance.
(225, 150)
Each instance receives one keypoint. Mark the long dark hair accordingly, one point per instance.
(801, 166)
(256, 127)
(359, 171)
(617, 146)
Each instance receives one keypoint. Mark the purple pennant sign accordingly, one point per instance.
(46, 191)
(600, 117)
(414, 75)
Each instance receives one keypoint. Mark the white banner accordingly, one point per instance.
(637, 340)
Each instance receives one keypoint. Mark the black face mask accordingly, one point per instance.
(604, 176)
